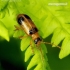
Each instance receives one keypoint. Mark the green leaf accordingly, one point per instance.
(58, 36)
(18, 33)
(4, 32)
(8, 17)
(39, 58)
(3, 4)
(28, 53)
(25, 42)
(65, 50)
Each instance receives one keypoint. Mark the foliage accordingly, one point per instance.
(48, 19)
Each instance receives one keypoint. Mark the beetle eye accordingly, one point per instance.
(20, 19)
(26, 16)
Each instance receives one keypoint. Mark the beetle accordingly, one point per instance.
(28, 26)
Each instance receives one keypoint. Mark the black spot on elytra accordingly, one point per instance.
(20, 19)
(33, 30)
(26, 16)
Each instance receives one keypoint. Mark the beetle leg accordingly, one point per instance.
(21, 37)
(17, 28)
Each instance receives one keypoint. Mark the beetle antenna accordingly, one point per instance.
(51, 44)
